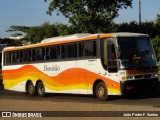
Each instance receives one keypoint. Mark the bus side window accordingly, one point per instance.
(64, 51)
(30, 55)
(79, 50)
(71, 50)
(104, 54)
(33, 55)
(5, 58)
(8, 58)
(12, 57)
(43, 55)
(58, 52)
(94, 48)
(75, 51)
(17, 57)
(87, 48)
(38, 54)
(21, 56)
(47, 53)
(25, 55)
(112, 59)
(53, 52)
(82, 49)
(90, 48)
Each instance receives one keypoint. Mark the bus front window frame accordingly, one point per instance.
(130, 53)
(109, 55)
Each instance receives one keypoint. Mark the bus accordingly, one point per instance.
(101, 64)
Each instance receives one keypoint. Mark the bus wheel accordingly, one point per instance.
(41, 89)
(101, 91)
(31, 89)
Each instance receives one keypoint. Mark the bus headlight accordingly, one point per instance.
(154, 75)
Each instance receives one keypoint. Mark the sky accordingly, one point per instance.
(33, 13)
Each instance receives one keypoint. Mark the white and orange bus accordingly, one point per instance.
(91, 64)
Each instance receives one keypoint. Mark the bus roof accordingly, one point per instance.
(127, 34)
(85, 35)
(75, 37)
(67, 37)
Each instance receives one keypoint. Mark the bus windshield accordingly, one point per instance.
(136, 52)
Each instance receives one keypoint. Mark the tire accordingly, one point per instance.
(41, 89)
(101, 91)
(31, 89)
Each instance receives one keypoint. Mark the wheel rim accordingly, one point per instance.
(41, 90)
(30, 89)
(101, 92)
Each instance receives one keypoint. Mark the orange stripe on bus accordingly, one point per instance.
(71, 76)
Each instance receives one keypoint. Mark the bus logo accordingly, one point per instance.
(51, 68)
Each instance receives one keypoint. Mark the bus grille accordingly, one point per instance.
(142, 76)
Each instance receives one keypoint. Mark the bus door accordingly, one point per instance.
(112, 61)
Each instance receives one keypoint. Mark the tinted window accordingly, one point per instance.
(72, 51)
(87, 49)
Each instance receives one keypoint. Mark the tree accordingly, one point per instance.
(18, 30)
(38, 33)
(156, 44)
(158, 19)
(157, 22)
(10, 42)
(47, 30)
(15, 28)
(156, 40)
(89, 15)
(147, 27)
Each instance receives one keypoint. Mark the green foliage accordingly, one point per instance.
(38, 33)
(156, 44)
(147, 27)
(158, 19)
(91, 16)
(159, 67)
(10, 42)
(14, 28)
(47, 30)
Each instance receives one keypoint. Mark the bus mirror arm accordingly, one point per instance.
(118, 52)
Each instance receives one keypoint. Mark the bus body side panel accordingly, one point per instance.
(12, 78)
(60, 77)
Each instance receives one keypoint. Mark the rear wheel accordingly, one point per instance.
(101, 91)
(31, 89)
(41, 89)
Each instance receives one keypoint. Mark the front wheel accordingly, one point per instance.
(101, 91)
(41, 89)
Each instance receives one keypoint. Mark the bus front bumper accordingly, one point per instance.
(137, 85)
